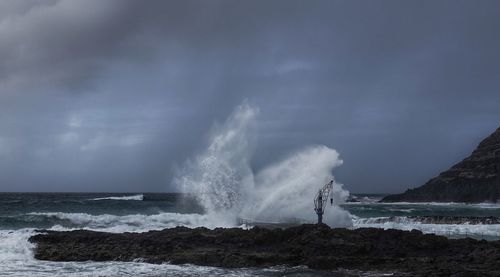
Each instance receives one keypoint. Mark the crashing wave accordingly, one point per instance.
(471, 220)
(227, 187)
(450, 228)
(484, 205)
(127, 223)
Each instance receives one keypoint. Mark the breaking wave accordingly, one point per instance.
(451, 229)
(484, 205)
(138, 197)
(227, 187)
(470, 220)
(126, 223)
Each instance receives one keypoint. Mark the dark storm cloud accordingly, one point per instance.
(111, 95)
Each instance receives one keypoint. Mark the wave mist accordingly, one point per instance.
(223, 182)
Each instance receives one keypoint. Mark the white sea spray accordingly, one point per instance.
(224, 183)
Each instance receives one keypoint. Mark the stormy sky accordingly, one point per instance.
(115, 95)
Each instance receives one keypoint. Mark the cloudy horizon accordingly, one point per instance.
(115, 95)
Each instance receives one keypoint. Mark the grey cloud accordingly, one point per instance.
(113, 95)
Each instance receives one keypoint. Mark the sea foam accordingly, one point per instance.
(16, 259)
(478, 231)
(127, 223)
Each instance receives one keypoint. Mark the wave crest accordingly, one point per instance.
(138, 197)
(127, 223)
(453, 230)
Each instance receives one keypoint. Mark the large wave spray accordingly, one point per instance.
(224, 184)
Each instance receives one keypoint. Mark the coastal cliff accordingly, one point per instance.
(473, 180)
(315, 246)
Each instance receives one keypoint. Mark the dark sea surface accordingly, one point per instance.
(368, 212)
(78, 210)
(22, 214)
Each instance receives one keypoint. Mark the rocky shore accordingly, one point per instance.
(475, 179)
(316, 246)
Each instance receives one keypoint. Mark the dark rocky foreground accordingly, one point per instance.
(316, 246)
(473, 180)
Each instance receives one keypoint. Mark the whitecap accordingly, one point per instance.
(489, 231)
(131, 223)
(138, 197)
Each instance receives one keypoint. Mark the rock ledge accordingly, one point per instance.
(316, 246)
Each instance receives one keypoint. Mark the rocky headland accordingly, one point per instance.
(473, 180)
(315, 246)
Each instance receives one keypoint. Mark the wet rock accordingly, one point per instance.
(316, 246)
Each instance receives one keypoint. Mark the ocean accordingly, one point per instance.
(25, 214)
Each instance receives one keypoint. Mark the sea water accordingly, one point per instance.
(25, 214)
(369, 212)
